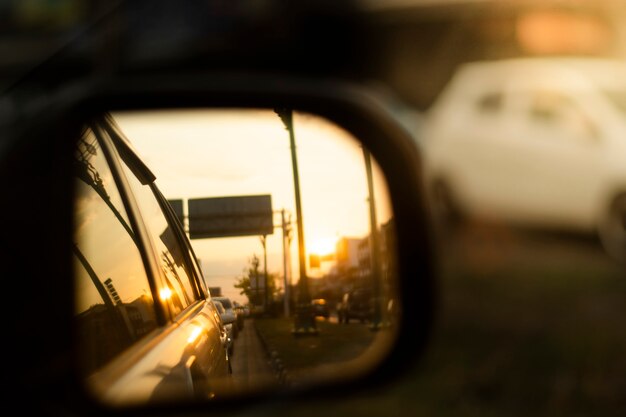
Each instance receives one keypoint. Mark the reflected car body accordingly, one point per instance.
(145, 326)
(557, 123)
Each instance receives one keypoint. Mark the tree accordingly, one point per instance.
(252, 273)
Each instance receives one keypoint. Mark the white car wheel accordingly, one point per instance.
(612, 230)
(445, 206)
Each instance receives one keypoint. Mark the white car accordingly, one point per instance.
(229, 322)
(230, 314)
(534, 141)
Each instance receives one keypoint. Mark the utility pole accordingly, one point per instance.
(374, 253)
(265, 293)
(289, 264)
(286, 231)
(255, 267)
(304, 320)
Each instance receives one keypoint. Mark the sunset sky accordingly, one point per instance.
(218, 153)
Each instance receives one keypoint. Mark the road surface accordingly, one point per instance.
(251, 368)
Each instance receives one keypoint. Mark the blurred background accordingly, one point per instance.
(529, 318)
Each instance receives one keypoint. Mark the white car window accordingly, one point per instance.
(554, 110)
(490, 102)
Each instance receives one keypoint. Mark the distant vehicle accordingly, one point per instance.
(230, 313)
(241, 314)
(536, 142)
(320, 308)
(215, 291)
(229, 324)
(355, 304)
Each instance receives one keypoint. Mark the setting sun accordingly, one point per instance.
(322, 245)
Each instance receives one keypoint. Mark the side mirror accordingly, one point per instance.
(101, 153)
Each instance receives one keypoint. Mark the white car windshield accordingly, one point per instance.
(618, 98)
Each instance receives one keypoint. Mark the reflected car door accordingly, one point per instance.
(184, 355)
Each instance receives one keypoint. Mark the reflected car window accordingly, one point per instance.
(179, 279)
(114, 304)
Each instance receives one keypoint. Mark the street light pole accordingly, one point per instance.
(374, 253)
(304, 320)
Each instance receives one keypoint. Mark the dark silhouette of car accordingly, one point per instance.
(241, 314)
(355, 304)
(320, 308)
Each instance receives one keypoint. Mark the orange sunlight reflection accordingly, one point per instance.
(197, 330)
(165, 294)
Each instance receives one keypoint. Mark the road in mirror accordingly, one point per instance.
(282, 217)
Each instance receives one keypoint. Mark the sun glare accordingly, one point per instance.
(322, 245)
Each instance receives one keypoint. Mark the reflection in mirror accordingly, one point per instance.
(281, 218)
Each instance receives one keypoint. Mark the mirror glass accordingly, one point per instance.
(281, 217)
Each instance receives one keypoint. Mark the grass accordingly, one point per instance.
(335, 343)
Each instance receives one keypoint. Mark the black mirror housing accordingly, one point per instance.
(35, 178)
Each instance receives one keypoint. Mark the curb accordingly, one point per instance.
(274, 360)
